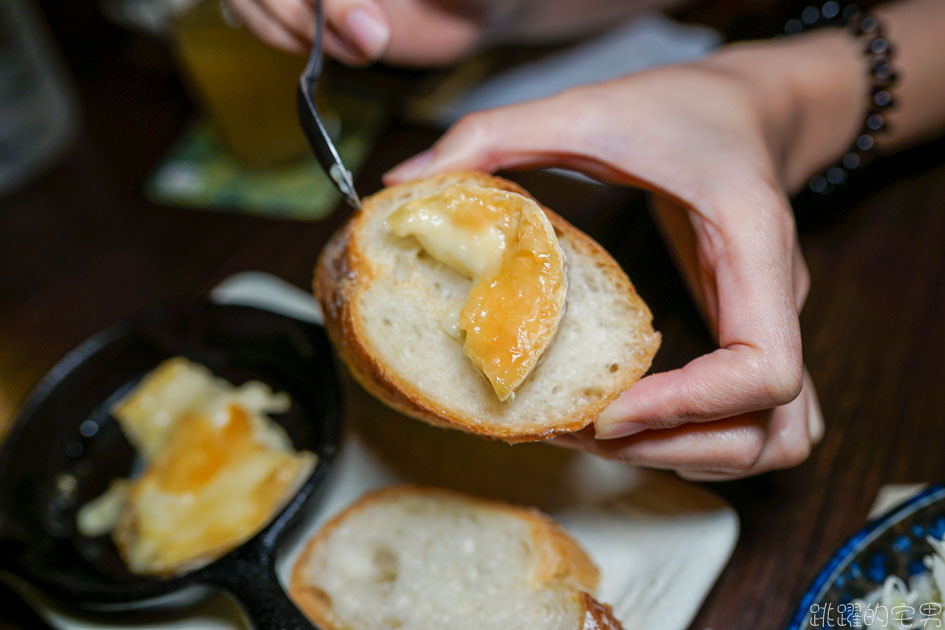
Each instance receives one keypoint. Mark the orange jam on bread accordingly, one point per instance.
(505, 243)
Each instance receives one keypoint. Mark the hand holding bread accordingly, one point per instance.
(704, 139)
(392, 302)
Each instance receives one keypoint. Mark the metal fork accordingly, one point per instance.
(324, 149)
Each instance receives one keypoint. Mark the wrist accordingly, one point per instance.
(810, 92)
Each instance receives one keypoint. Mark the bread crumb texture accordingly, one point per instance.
(415, 558)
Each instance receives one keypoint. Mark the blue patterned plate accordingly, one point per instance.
(892, 544)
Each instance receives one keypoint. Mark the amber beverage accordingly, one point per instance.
(246, 87)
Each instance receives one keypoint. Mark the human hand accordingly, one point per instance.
(709, 139)
(429, 32)
(743, 445)
(406, 32)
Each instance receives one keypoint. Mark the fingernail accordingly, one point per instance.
(411, 169)
(612, 413)
(367, 31)
(815, 420)
(614, 421)
(619, 430)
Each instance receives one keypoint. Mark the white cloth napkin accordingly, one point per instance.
(893, 494)
(646, 41)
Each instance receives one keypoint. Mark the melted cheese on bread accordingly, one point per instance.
(505, 243)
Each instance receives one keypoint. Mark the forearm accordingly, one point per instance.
(814, 88)
(917, 30)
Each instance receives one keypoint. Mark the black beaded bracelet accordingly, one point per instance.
(879, 55)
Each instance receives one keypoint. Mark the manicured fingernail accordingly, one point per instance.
(619, 430)
(367, 32)
(411, 169)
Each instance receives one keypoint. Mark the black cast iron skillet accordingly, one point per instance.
(64, 448)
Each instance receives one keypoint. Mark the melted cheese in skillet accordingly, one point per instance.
(215, 469)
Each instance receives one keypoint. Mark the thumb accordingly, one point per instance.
(358, 31)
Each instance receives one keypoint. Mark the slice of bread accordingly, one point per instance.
(415, 558)
(385, 301)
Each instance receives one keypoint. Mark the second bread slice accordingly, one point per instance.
(413, 558)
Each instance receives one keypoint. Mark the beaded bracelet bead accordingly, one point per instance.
(879, 54)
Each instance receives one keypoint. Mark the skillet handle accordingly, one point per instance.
(255, 586)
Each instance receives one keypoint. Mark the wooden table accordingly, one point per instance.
(80, 248)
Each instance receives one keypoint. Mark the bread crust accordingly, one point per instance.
(598, 616)
(343, 270)
(563, 560)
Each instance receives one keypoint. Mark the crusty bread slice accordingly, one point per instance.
(385, 301)
(415, 558)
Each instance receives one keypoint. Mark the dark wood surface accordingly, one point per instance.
(80, 248)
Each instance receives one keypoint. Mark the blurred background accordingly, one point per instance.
(150, 150)
(123, 70)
